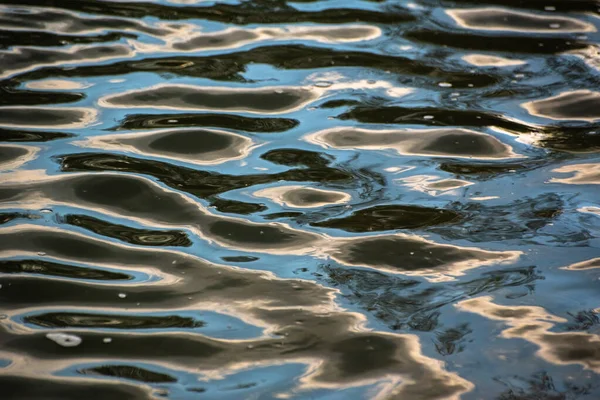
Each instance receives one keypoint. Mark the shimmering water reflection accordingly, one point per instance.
(299, 199)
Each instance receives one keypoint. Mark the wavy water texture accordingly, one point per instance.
(271, 199)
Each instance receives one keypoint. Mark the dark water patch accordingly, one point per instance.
(184, 97)
(36, 388)
(297, 158)
(520, 44)
(8, 135)
(539, 5)
(236, 207)
(198, 146)
(197, 182)
(283, 215)
(128, 234)
(433, 116)
(485, 170)
(30, 58)
(129, 372)
(16, 38)
(414, 256)
(390, 217)
(6, 217)
(227, 121)
(111, 321)
(38, 117)
(339, 103)
(10, 154)
(238, 259)
(439, 142)
(13, 97)
(40, 267)
(567, 138)
(258, 236)
(261, 11)
(581, 105)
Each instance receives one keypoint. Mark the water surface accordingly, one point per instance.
(304, 199)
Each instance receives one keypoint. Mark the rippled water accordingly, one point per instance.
(312, 199)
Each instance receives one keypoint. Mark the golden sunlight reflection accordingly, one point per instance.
(442, 142)
(502, 19)
(581, 174)
(535, 325)
(302, 196)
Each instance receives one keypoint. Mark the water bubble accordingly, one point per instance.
(122, 295)
(64, 340)
(323, 84)
(250, 347)
(279, 91)
(172, 121)
(445, 84)
(428, 117)
(41, 253)
(45, 211)
(107, 340)
(554, 26)
(550, 8)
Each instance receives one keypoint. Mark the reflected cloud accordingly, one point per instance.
(56, 84)
(303, 197)
(534, 324)
(581, 174)
(390, 217)
(196, 146)
(584, 265)
(590, 210)
(484, 60)
(443, 142)
(579, 105)
(502, 19)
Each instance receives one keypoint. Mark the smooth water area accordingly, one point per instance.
(271, 199)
